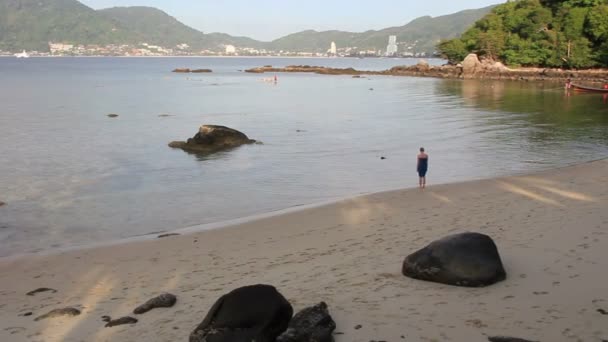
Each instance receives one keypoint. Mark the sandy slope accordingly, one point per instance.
(551, 229)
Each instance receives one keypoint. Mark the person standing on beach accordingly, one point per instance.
(422, 167)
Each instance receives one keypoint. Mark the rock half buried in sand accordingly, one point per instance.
(311, 324)
(40, 290)
(212, 138)
(121, 321)
(69, 312)
(467, 259)
(253, 313)
(165, 300)
(507, 339)
(161, 236)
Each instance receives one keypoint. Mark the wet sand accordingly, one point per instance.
(550, 227)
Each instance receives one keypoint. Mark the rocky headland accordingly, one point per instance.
(471, 68)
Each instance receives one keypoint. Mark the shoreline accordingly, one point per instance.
(550, 228)
(252, 219)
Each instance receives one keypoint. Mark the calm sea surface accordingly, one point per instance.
(72, 176)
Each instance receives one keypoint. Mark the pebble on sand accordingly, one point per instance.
(70, 312)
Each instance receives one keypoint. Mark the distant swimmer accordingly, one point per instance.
(422, 167)
(276, 79)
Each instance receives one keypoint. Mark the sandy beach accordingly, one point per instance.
(550, 227)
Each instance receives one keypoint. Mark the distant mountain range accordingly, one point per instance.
(32, 24)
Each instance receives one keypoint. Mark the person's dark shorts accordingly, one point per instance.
(422, 172)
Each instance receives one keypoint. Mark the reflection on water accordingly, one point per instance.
(71, 176)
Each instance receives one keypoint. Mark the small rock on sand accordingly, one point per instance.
(168, 235)
(40, 290)
(507, 339)
(70, 312)
(112, 115)
(121, 321)
(165, 300)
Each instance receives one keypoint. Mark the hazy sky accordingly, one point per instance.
(270, 19)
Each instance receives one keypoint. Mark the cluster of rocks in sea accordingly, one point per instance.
(193, 71)
(213, 138)
(472, 67)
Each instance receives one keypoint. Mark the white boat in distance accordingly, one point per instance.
(22, 55)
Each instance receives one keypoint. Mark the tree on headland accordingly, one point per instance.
(548, 33)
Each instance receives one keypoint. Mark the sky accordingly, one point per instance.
(270, 19)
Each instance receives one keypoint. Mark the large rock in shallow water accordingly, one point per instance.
(313, 324)
(254, 313)
(211, 138)
(468, 259)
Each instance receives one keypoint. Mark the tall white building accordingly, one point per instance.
(333, 50)
(392, 48)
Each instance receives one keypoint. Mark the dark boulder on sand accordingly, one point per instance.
(165, 300)
(311, 324)
(467, 259)
(253, 313)
(212, 138)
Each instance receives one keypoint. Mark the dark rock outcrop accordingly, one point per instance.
(69, 312)
(313, 324)
(212, 138)
(165, 300)
(253, 313)
(467, 259)
(121, 321)
(40, 290)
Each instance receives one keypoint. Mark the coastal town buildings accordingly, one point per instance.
(230, 50)
(146, 49)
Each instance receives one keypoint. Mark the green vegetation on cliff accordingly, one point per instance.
(548, 33)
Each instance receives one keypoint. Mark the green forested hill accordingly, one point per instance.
(154, 26)
(552, 33)
(31, 24)
(426, 30)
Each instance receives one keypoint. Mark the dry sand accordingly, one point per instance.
(550, 227)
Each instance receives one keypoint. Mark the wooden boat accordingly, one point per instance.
(589, 89)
